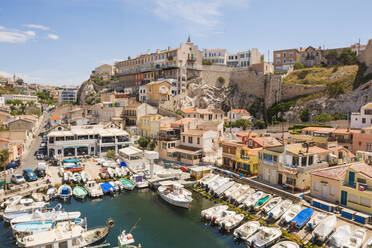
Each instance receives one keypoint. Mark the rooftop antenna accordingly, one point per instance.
(268, 56)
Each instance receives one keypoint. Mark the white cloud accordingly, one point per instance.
(1, 27)
(35, 26)
(30, 33)
(53, 36)
(15, 36)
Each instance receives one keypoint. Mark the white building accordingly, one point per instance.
(84, 140)
(23, 98)
(67, 94)
(244, 58)
(215, 56)
(236, 114)
(2, 101)
(363, 118)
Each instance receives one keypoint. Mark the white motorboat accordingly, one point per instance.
(139, 180)
(67, 176)
(340, 237)
(286, 244)
(271, 204)
(72, 235)
(38, 197)
(356, 239)
(222, 216)
(325, 228)
(117, 185)
(76, 177)
(176, 195)
(11, 201)
(290, 214)
(84, 176)
(230, 223)
(227, 193)
(246, 230)
(93, 189)
(111, 172)
(280, 209)
(237, 193)
(251, 200)
(52, 192)
(204, 180)
(210, 212)
(223, 188)
(316, 219)
(125, 240)
(368, 244)
(208, 183)
(265, 237)
(245, 196)
(217, 183)
(118, 172)
(64, 192)
(22, 208)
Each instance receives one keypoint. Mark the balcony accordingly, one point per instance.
(350, 185)
(168, 137)
(244, 157)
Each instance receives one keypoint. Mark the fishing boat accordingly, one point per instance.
(340, 237)
(262, 201)
(368, 244)
(70, 161)
(93, 189)
(52, 192)
(117, 187)
(250, 201)
(286, 244)
(222, 216)
(64, 192)
(139, 180)
(50, 215)
(280, 209)
(111, 172)
(245, 196)
(302, 218)
(79, 192)
(125, 240)
(119, 171)
(290, 214)
(74, 167)
(11, 201)
(67, 176)
(103, 174)
(24, 207)
(218, 192)
(204, 180)
(72, 235)
(271, 204)
(127, 184)
(239, 192)
(356, 239)
(325, 228)
(107, 188)
(316, 219)
(84, 176)
(246, 230)
(76, 178)
(217, 184)
(265, 237)
(176, 195)
(227, 194)
(230, 223)
(210, 212)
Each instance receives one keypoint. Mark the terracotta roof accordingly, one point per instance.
(266, 141)
(325, 130)
(240, 111)
(55, 118)
(363, 168)
(194, 132)
(183, 121)
(246, 133)
(337, 149)
(335, 173)
(368, 106)
(311, 129)
(159, 82)
(345, 131)
(366, 128)
(189, 111)
(297, 148)
(4, 139)
(253, 151)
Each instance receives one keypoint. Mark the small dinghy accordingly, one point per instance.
(245, 196)
(64, 192)
(246, 230)
(340, 237)
(280, 209)
(118, 172)
(11, 201)
(251, 201)
(125, 240)
(79, 192)
(290, 214)
(84, 176)
(52, 192)
(74, 167)
(262, 201)
(271, 204)
(356, 238)
(325, 228)
(265, 237)
(219, 217)
(127, 184)
(116, 186)
(316, 219)
(111, 172)
(67, 175)
(107, 188)
(302, 218)
(119, 185)
(213, 211)
(230, 223)
(286, 244)
(238, 193)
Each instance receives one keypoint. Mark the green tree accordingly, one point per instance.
(305, 115)
(348, 57)
(19, 81)
(143, 142)
(298, 65)
(221, 80)
(332, 57)
(323, 117)
(110, 154)
(260, 124)
(4, 156)
(242, 123)
(206, 62)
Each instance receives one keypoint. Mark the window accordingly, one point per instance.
(365, 201)
(369, 147)
(278, 55)
(353, 198)
(311, 159)
(198, 141)
(278, 62)
(183, 139)
(363, 120)
(275, 158)
(332, 190)
(92, 149)
(316, 186)
(190, 140)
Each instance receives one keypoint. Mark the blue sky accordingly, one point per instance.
(60, 41)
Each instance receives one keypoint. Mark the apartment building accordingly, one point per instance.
(67, 94)
(363, 141)
(215, 56)
(244, 59)
(236, 114)
(136, 110)
(180, 63)
(158, 92)
(362, 118)
(84, 140)
(311, 56)
(204, 114)
(285, 59)
(104, 71)
(23, 98)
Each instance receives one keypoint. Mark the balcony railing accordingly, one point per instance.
(244, 157)
(169, 137)
(350, 185)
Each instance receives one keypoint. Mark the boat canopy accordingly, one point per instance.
(302, 217)
(107, 187)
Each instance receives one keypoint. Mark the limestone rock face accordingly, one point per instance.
(86, 89)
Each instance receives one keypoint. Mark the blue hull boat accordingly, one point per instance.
(302, 218)
(70, 160)
(107, 188)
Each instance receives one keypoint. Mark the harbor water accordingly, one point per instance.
(161, 224)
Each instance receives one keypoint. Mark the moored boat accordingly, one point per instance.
(262, 201)
(340, 236)
(175, 195)
(273, 202)
(325, 228)
(368, 244)
(125, 240)
(52, 192)
(316, 219)
(64, 192)
(290, 214)
(79, 192)
(231, 190)
(246, 230)
(218, 192)
(356, 239)
(239, 192)
(22, 208)
(243, 197)
(265, 237)
(93, 188)
(219, 217)
(302, 218)
(286, 244)
(11, 201)
(127, 184)
(210, 212)
(252, 199)
(139, 180)
(107, 188)
(230, 223)
(280, 209)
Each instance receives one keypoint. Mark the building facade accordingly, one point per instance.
(244, 59)
(215, 56)
(158, 92)
(67, 94)
(23, 98)
(363, 118)
(285, 59)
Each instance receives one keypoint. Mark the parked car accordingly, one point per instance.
(12, 165)
(29, 175)
(17, 179)
(40, 172)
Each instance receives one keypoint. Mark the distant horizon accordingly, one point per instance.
(60, 42)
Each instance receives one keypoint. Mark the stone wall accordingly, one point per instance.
(290, 91)
(211, 73)
(366, 57)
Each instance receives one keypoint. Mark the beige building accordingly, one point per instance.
(104, 72)
(158, 92)
(285, 59)
(23, 98)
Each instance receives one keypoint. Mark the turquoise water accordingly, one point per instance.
(161, 225)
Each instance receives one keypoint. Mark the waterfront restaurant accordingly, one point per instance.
(86, 140)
